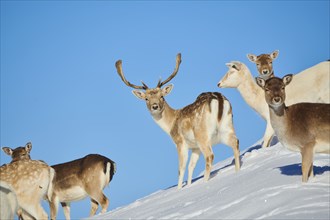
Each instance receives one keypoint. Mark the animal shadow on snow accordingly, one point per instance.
(295, 169)
(273, 142)
(217, 171)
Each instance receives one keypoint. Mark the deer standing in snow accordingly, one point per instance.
(31, 180)
(198, 126)
(75, 180)
(303, 127)
(312, 86)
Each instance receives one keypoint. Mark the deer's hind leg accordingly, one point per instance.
(192, 163)
(95, 190)
(231, 140)
(96, 199)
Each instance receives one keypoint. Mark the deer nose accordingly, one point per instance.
(277, 99)
(154, 106)
(219, 84)
(265, 71)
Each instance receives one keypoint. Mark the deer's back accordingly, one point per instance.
(75, 172)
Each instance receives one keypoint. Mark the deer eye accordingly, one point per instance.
(147, 99)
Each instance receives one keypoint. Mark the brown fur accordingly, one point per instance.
(192, 127)
(304, 127)
(264, 62)
(84, 173)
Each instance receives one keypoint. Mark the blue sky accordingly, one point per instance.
(60, 89)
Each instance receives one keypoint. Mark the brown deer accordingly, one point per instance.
(264, 62)
(198, 126)
(31, 181)
(303, 127)
(75, 180)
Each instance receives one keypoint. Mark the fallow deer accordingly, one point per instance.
(264, 62)
(31, 180)
(198, 126)
(303, 127)
(8, 201)
(310, 85)
(75, 180)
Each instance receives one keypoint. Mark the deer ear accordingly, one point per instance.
(252, 57)
(287, 79)
(28, 147)
(235, 65)
(7, 150)
(167, 89)
(260, 82)
(139, 94)
(274, 54)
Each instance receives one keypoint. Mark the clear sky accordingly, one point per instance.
(60, 89)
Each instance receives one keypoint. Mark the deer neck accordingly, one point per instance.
(278, 118)
(166, 118)
(253, 94)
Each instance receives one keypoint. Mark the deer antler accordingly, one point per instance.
(178, 61)
(121, 74)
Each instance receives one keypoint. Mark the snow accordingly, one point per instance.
(268, 186)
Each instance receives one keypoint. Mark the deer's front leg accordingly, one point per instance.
(269, 133)
(307, 161)
(183, 156)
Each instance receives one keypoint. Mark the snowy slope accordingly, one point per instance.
(268, 186)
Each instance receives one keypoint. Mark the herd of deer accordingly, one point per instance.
(296, 109)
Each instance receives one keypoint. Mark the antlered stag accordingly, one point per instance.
(303, 127)
(198, 126)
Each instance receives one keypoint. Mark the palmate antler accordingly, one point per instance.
(144, 86)
(178, 62)
(121, 74)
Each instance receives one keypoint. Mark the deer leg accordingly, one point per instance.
(231, 140)
(66, 209)
(192, 164)
(98, 198)
(209, 156)
(307, 161)
(94, 207)
(269, 133)
(53, 205)
(183, 156)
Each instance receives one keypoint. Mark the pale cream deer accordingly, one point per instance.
(303, 127)
(31, 180)
(198, 126)
(8, 201)
(75, 180)
(239, 76)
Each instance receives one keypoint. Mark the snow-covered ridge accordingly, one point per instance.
(268, 186)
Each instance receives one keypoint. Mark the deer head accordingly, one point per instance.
(274, 89)
(154, 97)
(19, 153)
(264, 62)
